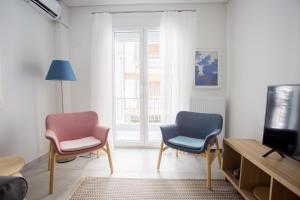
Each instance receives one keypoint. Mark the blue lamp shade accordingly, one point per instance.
(60, 70)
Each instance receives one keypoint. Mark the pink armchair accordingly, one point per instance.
(72, 134)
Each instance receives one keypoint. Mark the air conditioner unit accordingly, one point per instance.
(51, 8)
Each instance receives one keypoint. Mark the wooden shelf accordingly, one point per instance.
(248, 194)
(281, 175)
(234, 181)
(262, 193)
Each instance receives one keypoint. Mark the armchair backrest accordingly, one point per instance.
(198, 125)
(70, 126)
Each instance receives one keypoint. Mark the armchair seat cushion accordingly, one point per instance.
(187, 142)
(79, 144)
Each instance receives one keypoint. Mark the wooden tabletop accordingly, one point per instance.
(11, 165)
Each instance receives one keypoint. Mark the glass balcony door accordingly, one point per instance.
(136, 88)
(152, 74)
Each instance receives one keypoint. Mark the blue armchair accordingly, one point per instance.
(193, 133)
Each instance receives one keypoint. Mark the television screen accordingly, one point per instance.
(282, 121)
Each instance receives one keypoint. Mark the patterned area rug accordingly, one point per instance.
(94, 188)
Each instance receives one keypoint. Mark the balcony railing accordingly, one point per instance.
(128, 110)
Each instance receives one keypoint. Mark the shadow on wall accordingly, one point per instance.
(227, 114)
(33, 69)
(7, 142)
(43, 102)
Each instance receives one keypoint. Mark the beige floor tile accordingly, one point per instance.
(128, 163)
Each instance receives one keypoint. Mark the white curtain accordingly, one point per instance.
(101, 68)
(178, 30)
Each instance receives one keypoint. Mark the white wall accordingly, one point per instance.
(61, 51)
(26, 51)
(211, 34)
(263, 49)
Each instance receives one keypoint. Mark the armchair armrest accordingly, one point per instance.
(51, 135)
(211, 138)
(169, 131)
(13, 187)
(101, 133)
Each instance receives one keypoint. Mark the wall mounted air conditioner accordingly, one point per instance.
(50, 8)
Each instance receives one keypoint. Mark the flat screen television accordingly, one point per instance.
(282, 120)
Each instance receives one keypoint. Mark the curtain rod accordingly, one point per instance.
(145, 11)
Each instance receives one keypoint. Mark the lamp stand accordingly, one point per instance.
(63, 159)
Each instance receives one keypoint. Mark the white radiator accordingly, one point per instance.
(210, 105)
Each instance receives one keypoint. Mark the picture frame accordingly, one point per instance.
(207, 69)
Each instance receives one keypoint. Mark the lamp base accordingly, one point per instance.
(65, 159)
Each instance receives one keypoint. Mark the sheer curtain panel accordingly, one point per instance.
(101, 68)
(178, 30)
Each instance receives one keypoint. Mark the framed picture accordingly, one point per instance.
(207, 68)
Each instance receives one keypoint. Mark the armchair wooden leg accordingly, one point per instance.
(52, 166)
(160, 154)
(97, 153)
(49, 156)
(177, 153)
(208, 166)
(109, 158)
(218, 153)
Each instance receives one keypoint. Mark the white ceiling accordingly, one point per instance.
(133, 2)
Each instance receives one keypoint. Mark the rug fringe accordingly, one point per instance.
(76, 187)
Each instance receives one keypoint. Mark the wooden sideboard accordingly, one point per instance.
(280, 175)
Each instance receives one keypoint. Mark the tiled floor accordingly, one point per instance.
(129, 163)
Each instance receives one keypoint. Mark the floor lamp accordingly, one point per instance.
(61, 70)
